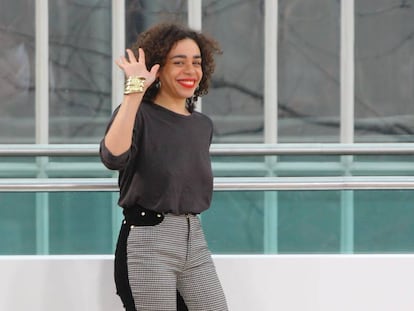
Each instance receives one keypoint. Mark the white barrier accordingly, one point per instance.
(251, 283)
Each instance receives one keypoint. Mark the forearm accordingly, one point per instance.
(118, 139)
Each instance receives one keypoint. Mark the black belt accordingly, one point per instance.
(140, 216)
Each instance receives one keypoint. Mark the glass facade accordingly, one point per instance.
(309, 105)
(17, 67)
(79, 70)
(308, 75)
(384, 71)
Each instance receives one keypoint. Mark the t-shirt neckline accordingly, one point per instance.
(162, 108)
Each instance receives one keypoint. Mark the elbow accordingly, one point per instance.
(112, 161)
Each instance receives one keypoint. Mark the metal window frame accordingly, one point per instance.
(347, 104)
(194, 20)
(270, 112)
(118, 49)
(42, 118)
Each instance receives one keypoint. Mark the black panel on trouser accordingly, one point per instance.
(121, 268)
(181, 306)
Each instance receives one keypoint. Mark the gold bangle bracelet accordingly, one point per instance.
(134, 85)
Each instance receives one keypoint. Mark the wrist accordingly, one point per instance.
(134, 84)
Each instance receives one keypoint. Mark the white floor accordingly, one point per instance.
(251, 283)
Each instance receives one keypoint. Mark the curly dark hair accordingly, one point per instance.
(160, 39)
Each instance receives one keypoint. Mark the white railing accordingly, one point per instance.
(221, 183)
(224, 149)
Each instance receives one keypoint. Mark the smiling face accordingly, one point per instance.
(181, 73)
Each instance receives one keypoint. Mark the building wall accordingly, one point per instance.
(310, 90)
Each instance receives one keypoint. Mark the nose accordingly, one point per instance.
(189, 68)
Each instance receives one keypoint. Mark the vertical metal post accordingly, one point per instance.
(118, 49)
(194, 19)
(347, 71)
(270, 231)
(347, 118)
(42, 119)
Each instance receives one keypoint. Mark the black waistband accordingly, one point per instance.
(140, 216)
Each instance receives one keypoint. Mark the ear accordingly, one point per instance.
(159, 72)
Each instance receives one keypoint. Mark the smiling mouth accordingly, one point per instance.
(187, 83)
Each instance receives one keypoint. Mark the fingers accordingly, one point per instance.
(141, 55)
(119, 64)
(132, 67)
(131, 56)
(123, 62)
(155, 69)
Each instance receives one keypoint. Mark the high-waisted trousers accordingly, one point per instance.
(152, 262)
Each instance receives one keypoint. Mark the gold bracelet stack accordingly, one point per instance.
(134, 85)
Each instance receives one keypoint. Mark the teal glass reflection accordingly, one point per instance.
(17, 223)
(80, 223)
(234, 223)
(309, 222)
(384, 221)
(238, 222)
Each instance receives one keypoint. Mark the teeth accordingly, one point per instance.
(187, 82)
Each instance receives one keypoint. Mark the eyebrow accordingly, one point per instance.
(184, 56)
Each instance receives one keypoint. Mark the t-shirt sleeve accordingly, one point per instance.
(111, 161)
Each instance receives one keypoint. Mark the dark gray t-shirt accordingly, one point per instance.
(168, 167)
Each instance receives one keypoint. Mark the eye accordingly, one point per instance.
(179, 63)
(197, 63)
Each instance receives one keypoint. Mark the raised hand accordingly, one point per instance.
(137, 68)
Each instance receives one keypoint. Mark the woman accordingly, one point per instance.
(160, 145)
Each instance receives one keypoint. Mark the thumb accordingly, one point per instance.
(155, 69)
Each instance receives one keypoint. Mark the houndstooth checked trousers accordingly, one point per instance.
(152, 262)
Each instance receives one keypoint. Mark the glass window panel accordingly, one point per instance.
(308, 77)
(140, 15)
(80, 70)
(18, 167)
(395, 165)
(384, 70)
(384, 221)
(233, 166)
(234, 223)
(80, 167)
(80, 223)
(235, 99)
(17, 71)
(308, 221)
(17, 223)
